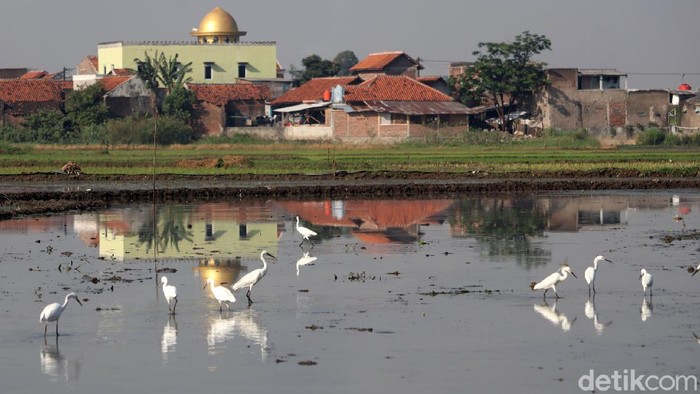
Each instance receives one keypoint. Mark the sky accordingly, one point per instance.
(656, 42)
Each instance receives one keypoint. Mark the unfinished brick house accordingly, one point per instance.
(21, 97)
(219, 106)
(597, 100)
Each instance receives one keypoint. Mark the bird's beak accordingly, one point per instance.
(640, 276)
(572, 273)
(694, 272)
(77, 299)
(609, 261)
(205, 286)
(272, 256)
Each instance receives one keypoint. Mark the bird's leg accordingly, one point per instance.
(56, 327)
(593, 287)
(248, 295)
(544, 295)
(46, 327)
(174, 306)
(555, 292)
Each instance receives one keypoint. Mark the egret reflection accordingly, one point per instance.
(221, 329)
(169, 340)
(589, 310)
(55, 365)
(249, 327)
(647, 309)
(555, 317)
(305, 259)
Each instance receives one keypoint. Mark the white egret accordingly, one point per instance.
(647, 281)
(695, 271)
(221, 294)
(170, 293)
(591, 271)
(305, 260)
(305, 233)
(251, 278)
(52, 312)
(551, 281)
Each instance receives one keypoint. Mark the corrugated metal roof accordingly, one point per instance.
(601, 71)
(416, 107)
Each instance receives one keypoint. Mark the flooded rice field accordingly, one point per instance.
(395, 296)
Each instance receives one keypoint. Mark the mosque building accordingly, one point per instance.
(217, 56)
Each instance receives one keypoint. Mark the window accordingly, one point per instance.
(384, 118)
(242, 69)
(208, 71)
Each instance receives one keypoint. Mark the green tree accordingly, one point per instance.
(48, 126)
(345, 60)
(504, 74)
(314, 67)
(85, 108)
(159, 71)
(179, 103)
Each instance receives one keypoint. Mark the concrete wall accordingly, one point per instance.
(292, 133)
(261, 58)
(563, 106)
(208, 119)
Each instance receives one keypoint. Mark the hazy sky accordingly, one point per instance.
(645, 38)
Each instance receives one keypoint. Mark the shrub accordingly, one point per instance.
(139, 131)
(651, 136)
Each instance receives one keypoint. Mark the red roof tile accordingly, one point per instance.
(34, 75)
(25, 95)
(393, 88)
(313, 90)
(110, 83)
(93, 60)
(221, 94)
(379, 61)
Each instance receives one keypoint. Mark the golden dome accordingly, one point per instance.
(218, 24)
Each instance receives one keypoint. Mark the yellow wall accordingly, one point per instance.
(260, 57)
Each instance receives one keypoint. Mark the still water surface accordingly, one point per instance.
(403, 296)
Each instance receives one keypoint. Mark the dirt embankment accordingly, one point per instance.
(47, 193)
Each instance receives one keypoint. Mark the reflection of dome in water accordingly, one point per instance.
(218, 26)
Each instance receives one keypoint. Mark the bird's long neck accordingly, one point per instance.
(65, 302)
(595, 265)
(264, 268)
(563, 274)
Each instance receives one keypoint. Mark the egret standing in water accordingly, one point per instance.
(647, 281)
(52, 312)
(170, 293)
(251, 278)
(305, 233)
(221, 294)
(591, 271)
(551, 281)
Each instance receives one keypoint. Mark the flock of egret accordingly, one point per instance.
(562, 273)
(52, 312)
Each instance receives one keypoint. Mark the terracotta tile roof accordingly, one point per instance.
(376, 61)
(34, 75)
(313, 90)
(26, 95)
(221, 94)
(110, 83)
(122, 72)
(393, 88)
(94, 61)
(379, 61)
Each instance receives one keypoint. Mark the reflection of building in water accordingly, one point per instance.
(214, 229)
(224, 271)
(374, 221)
(586, 213)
